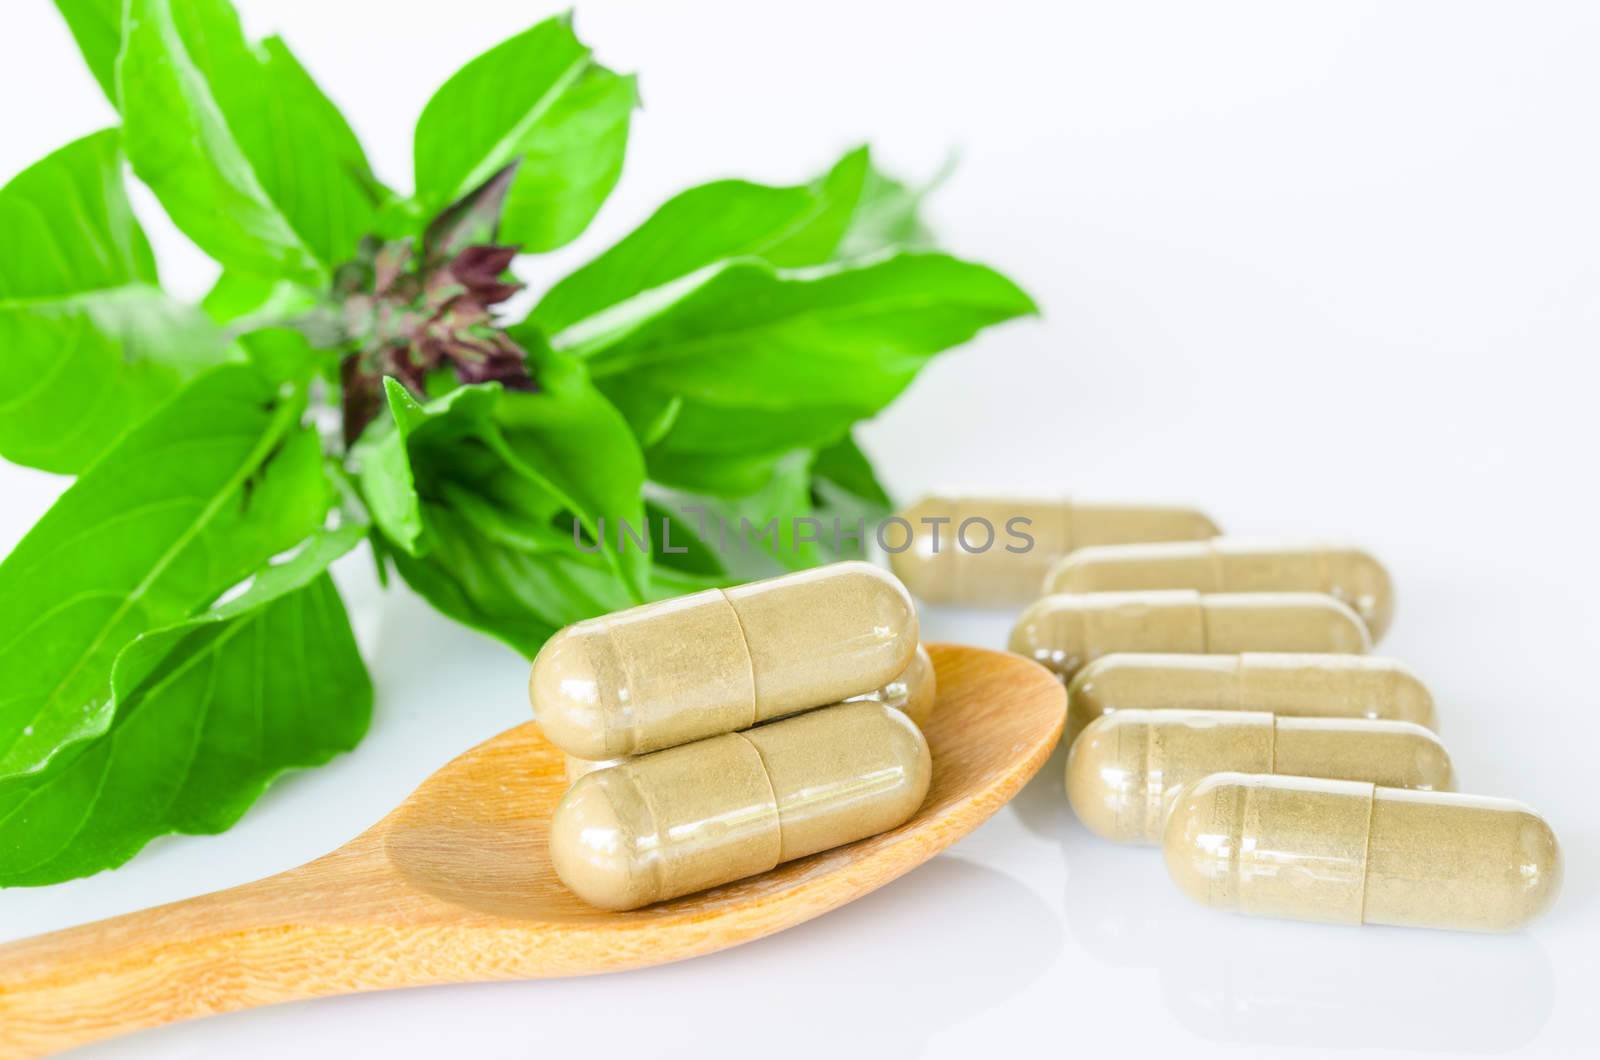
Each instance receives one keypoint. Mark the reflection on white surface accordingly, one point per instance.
(1234, 979)
(1353, 989)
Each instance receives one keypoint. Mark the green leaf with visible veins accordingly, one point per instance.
(308, 158)
(97, 27)
(408, 459)
(201, 494)
(246, 154)
(758, 362)
(785, 226)
(89, 345)
(210, 711)
(541, 102)
(729, 442)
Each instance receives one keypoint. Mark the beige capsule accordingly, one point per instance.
(1126, 768)
(1067, 631)
(1234, 565)
(1284, 683)
(582, 767)
(913, 693)
(996, 550)
(1349, 852)
(722, 660)
(718, 810)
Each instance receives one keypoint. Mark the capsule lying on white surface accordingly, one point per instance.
(1294, 684)
(989, 551)
(1067, 631)
(1234, 565)
(1348, 852)
(1125, 770)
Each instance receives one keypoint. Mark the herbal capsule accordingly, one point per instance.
(1298, 685)
(990, 551)
(1234, 565)
(718, 810)
(1069, 630)
(1126, 769)
(717, 661)
(912, 693)
(1354, 853)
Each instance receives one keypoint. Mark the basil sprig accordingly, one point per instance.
(169, 632)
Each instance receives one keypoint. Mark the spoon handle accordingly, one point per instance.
(274, 940)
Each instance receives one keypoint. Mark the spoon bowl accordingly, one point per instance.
(455, 885)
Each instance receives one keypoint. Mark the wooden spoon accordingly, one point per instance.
(455, 886)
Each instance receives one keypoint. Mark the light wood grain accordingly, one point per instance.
(455, 886)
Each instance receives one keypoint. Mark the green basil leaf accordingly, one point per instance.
(539, 101)
(886, 216)
(210, 712)
(728, 218)
(91, 344)
(195, 498)
(529, 456)
(570, 167)
(750, 336)
(836, 195)
(263, 314)
(787, 226)
(69, 226)
(681, 547)
(308, 158)
(846, 493)
(758, 363)
(778, 511)
(283, 354)
(494, 575)
(727, 442)
(238, 294)
(729, 450)
(650, 413)
(844, 466)
(485, 572)
(717, 475)
(571, 436)
(246, 154)
(798, 508)
(450, 440)
(97, 27)
(80, 372)
(148, 651)
(758, 521)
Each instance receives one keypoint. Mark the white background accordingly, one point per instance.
(1321, 268)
